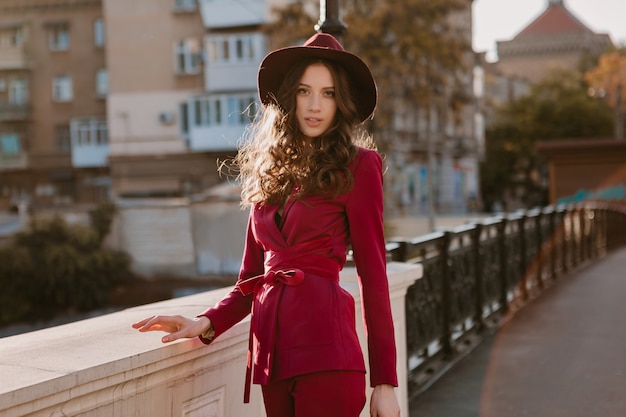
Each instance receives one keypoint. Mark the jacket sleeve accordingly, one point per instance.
(365, 217)
(235, 306)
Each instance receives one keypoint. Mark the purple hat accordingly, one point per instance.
(276, 64)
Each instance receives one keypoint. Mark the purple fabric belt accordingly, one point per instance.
(290, 277)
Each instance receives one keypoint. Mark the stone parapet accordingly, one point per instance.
(103, 367)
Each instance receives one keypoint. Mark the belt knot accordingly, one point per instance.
(290, 277)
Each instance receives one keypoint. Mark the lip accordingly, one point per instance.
(312, 121)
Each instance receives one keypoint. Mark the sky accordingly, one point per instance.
(501, 20)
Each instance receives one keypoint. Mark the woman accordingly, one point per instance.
(312, 192)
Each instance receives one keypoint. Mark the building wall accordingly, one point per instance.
(46, 173)
(580, 167)
(533, 56)
(451, 137)
(140, 45)
(535, 65)
(137, 125)
(147, 88)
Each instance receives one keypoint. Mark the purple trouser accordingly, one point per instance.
(328, 394)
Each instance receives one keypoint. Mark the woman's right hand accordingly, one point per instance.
(176, 326)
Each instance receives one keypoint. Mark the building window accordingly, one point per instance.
(233, 48)
(232, 105)
(98, 33)
(184, 5)
(62, 88)
(187, 55)
(11, 37)
(184, 118)
(102, 83)
(218, 112)
(212, 50)
(62, 136)
(89, 132)
(246, 109)
(209, 111)
(201, 112)
(18, 91)
(479, 82)
(9, 144)
(58, 37)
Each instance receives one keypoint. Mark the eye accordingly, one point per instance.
(302, 91)
(329, 93)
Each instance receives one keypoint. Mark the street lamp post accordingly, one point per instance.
(329, 19)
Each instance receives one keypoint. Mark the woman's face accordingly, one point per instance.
(315, 100)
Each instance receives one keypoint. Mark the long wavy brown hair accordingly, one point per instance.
(275, 160)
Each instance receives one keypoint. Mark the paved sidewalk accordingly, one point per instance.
(561, 355)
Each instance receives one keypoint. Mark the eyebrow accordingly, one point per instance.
(332, 87)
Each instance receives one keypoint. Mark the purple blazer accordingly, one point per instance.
(302, 320)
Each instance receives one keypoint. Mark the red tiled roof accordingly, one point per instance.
(555, 19)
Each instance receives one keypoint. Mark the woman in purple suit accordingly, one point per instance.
(314, 187)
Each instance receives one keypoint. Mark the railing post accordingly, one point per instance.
(539, 254)
(611, 219)
(552, 244)
(478, 276)
(606, 213)
(400, 253)
(446, 296)
(523, 266)
(504, 300)
(580, 249)
(577, 235)
(593, 238)
(564, 240)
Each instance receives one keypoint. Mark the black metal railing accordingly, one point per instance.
(476, 273)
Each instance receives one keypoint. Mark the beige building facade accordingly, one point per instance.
(155, 62)
(53, 87)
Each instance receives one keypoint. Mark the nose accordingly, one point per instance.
(314, 102)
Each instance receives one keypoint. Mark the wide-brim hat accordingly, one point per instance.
(277, 64)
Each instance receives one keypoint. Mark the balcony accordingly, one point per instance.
(214, 138)
(219, 14)
(14, 58)
(218, 121)
(90, 147)
(101, 366)
(11, 112)
(231, 77)
(233, 61)
(11, 162)
(90, 155)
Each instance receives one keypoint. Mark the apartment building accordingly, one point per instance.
(435, 148)
(182, 92)
(554, 39)
(53, 90)
(108, 99)
(155, 63)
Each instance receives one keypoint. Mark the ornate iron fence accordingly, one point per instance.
(477, 272)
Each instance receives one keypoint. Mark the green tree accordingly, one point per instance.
(54, 267)
(559, 107)
(608, 80)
